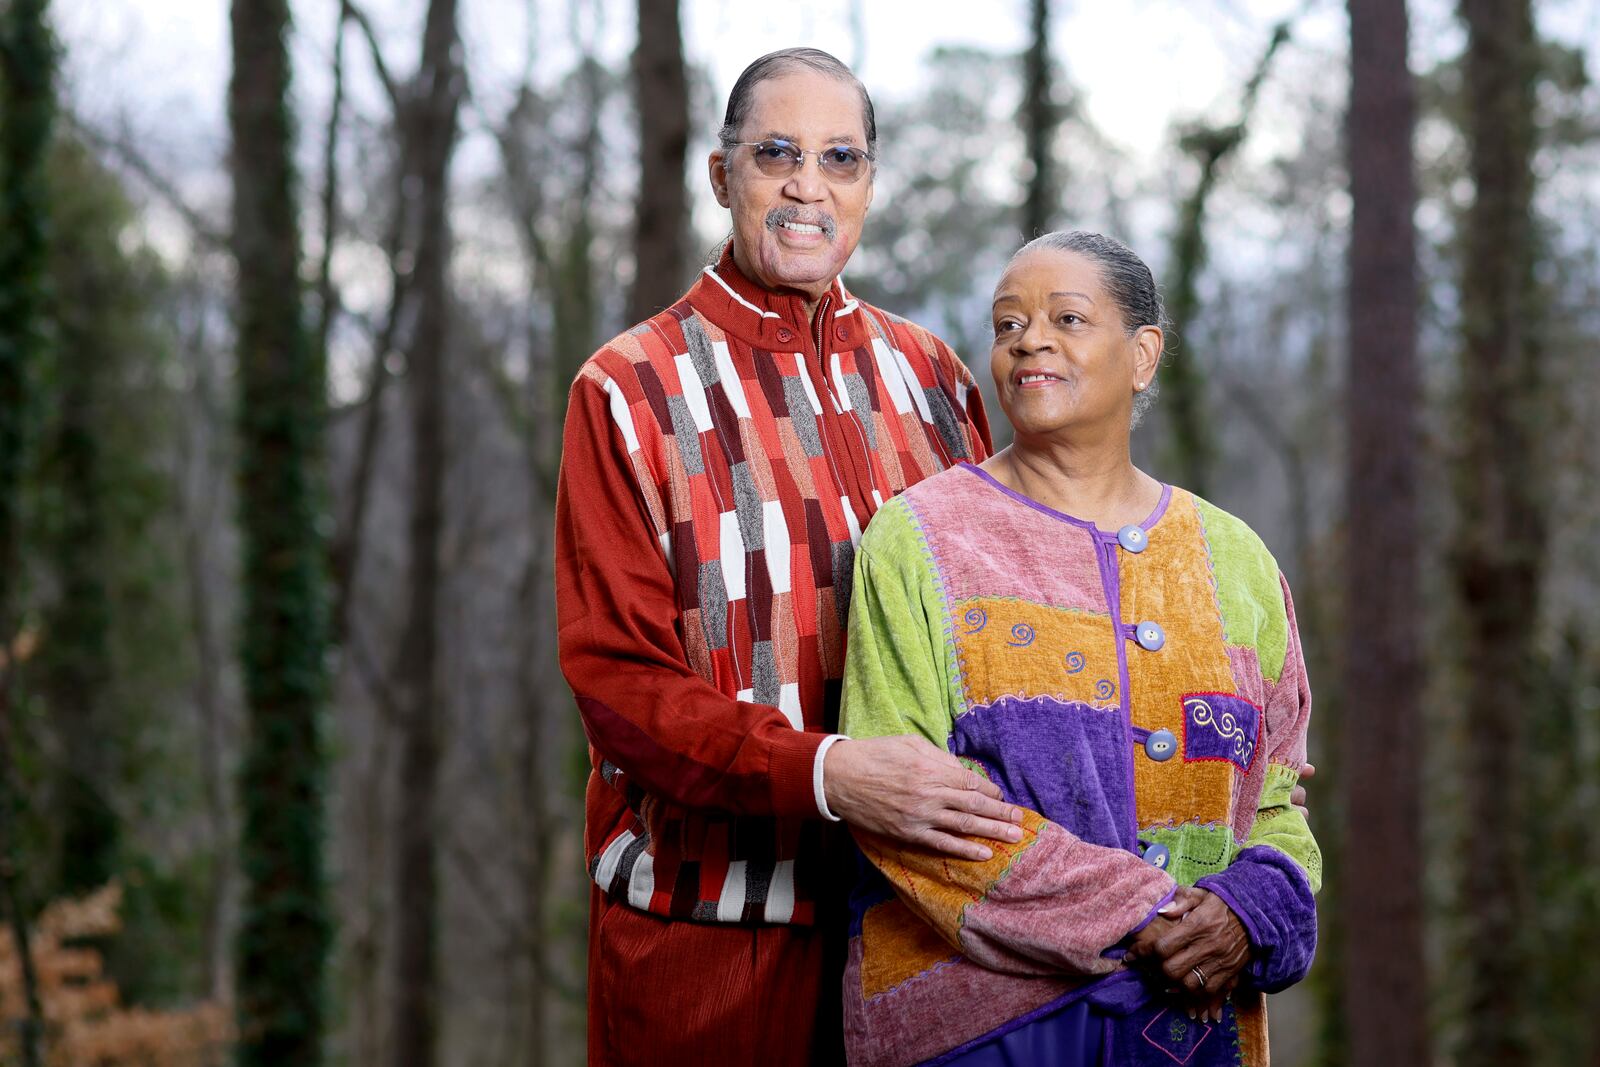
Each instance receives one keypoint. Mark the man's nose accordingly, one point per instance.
(807, 184)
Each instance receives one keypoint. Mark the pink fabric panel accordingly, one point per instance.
(1067, 575)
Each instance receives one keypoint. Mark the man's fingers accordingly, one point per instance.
(969, 825)
(986, 807)
(955, 846)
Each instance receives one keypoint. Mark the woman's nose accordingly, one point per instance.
(1034, 337)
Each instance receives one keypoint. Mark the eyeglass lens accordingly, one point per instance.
(779, 159)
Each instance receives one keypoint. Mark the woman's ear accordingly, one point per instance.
(1147, 344)
(718, 167)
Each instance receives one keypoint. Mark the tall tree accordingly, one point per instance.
(1193, 447)
(1040, 117)
(661, 228)
(428, 136)
(1501, 524)
(285, 930)
(1384, 988)
(27, 114)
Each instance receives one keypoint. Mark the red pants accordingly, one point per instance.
(664, 992)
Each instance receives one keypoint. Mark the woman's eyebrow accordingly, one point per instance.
(1081, 296)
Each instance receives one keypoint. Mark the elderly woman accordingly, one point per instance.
(1120, 657)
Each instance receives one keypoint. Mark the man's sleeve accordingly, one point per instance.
(1050, 904)
(1271, 882)
(644, 707)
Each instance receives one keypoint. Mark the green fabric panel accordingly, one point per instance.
(1280, 825)
(1248, 591)
(898, 673)
(1196, 849)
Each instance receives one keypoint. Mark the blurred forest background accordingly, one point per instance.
(288, 773)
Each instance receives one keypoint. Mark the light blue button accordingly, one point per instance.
(1132, 538)
(1157, 856)
(1150, 636)
(1161, 745)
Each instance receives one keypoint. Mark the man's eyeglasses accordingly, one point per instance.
(778, 158)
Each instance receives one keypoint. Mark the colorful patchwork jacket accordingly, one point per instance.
(1141, 694)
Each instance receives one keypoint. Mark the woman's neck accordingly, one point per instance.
(1101, 486)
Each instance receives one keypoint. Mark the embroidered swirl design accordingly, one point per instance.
(1104, 689)
(976, 619)
(1075, 662)
(1225, 724)
(1021, 635)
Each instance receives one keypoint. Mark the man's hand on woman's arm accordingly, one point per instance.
(907, 789)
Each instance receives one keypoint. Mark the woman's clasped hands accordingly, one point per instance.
(1197, 944)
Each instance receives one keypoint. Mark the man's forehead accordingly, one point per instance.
(784, 103)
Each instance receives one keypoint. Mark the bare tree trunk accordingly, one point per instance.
(1182, 379)
(1384, 984)
(661, 231)
(27, 87)
(1039, 120)
(285, 933)
(1501, 515)
(429, 132)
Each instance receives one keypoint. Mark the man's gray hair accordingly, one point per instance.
(787, 61)
(1127, 278)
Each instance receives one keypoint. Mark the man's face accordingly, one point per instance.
(795, 232)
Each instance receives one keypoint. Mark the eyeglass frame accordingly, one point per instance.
(798, 165)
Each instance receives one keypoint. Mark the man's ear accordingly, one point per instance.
(718, 167)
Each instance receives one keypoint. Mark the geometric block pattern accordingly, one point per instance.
(759, 444)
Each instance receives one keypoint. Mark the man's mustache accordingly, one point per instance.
(780, 215)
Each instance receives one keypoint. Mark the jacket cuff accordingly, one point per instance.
(1272, 898)
(791, 767)
(818, 787)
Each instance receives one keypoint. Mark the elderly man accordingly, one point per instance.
(721, 459)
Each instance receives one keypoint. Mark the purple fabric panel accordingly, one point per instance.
(1065, 761)
(1269, 893)
(1220, 726)
(1061, 903)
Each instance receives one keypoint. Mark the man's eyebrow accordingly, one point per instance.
(779, 135)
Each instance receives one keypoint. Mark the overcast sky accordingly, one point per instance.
(159, 68)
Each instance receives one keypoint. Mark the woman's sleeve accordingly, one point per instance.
(1271, 882)
(1048, 904)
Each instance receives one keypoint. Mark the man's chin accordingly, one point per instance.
(806, 272)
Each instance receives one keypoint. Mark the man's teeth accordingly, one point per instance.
(801, 227)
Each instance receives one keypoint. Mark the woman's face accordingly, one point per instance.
(1063, 362)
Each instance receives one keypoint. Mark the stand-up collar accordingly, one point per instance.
(773, 320)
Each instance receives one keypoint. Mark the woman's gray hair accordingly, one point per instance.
(1127, 278)
(786, 61)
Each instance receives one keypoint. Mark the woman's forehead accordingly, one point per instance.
(1050, 271)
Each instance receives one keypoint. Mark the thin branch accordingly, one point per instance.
(326, 298)
(390, 87)
(209, 235)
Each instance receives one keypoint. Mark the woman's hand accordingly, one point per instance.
(1199, 945)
